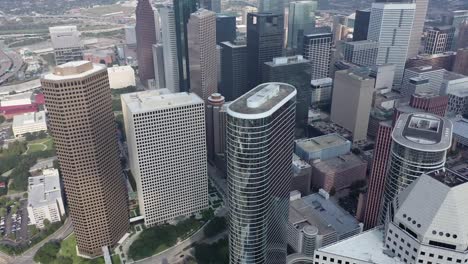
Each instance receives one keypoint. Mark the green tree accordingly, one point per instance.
(64, 260)
(46, 223)
(48, 252)
(2, 119)
(3, 211)
(207, 214)
(215, 226)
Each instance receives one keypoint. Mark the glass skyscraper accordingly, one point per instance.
(301, 19)
(259, 145)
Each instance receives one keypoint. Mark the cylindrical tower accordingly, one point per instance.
(419, 144)
(259, 146)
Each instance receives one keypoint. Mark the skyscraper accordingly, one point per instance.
(167, 153)
(260, 138)
(361, 25)
(418, 27)
(317, 49)
(462, 38)
(213, 125)
(391, 25)
(419, 144)
(439, 40)
(458, 18)
(271, 6)
(182, 11)
(225, 28)
(81, 120)
(170, 53)
(294, 70)
(212, 5)
(66, 43)
(158, 60)
(201, 35)
(301, 19)
(234, 80)
(351, 101)
(146, 37)
(362, 53)
(265, 34)
(434, 75)
(461, 61)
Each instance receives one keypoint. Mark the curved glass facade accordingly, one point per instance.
(259, 153)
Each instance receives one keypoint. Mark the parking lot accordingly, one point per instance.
(14, 227)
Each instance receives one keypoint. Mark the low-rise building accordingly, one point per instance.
(316, 221)
(302, 172)
(121, 77)
(29, 123)
(45, 198)
(322, 147)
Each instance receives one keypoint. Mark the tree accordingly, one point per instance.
(48, 252)
(3, 211)
(215, 226)
(2, 119)
(207, 214)
(46, 223)
(64, 260)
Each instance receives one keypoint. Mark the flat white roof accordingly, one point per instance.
(55, 77)
(29, 118)
(141, 102)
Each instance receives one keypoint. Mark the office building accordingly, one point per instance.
(29, 123)
(146, 36)
(315, 221)
(259, 173)
(301, 19)
(427, 137)
(182, 11)
(457, 102)
(317, 49)
(302, 173)
(351, 102)
(463, 35)
(167, 153)
(294, 70)
(203, 69)
(444, 60)
(433, 75)
(170, 51)
(234, 75)
(45, 198)
(83, 129)
(121, 77)
(453, 81)
(460, 131)
(321, 92)
(362, 53)
(158, 60)
(265, 34)
(130, 35)
(342, 31)
(271, 6)
(214, 120)
(461, 62)
(391, 25)
(361, 25)
(67, 44)
(439, 40)
(225, 28)
(212, 5)
(322, 147)
(458, 18)
(430, 103)
(418, 26)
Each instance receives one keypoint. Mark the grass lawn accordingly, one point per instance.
(68, 249)
(40, 145)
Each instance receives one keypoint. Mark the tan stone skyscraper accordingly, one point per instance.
(82, 124)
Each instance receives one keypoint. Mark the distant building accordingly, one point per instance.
(302, 172)
(317, 49)
(145, 30)
(271, 6)
(214, 125)
(361, 25)
(104, 56)
(453, 81)
(45, 198)
(458, 102)
(322, 147)
(167, 153)
(67, 44)
(321, 90)
(234, 74)
(301, 19)
(439, 40)
(463, 35)
(315, 221)
(130, 35)
(170, 51)
(29, 123)
(159, 68)
(444, 60)
(225, 28)
(460, 131)
(434, 77)
(121, 77)
(458, 17)
(212, 5)
(461, 62)
(362, 53)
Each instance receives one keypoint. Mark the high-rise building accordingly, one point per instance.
(158, 60)
(265, 33)
(361, 25)
(146, 36)
(260, 138)
(321, 92)
(461, 62)
(362, 53)
(225, 28)
(201, 30)
(419, 144)
(234, 75)
(351, 101)
(317, 49)
(79, 105)
(157, 25)
(294, 70)
(130, 35)
(214, 125)
(301, 19)
(182, 11)
(444, 60)
(167, 153)
(391, 25)
(212, 5)
(439, 40)
(462, 41)
(342, 29)
(418, 26)
(271, 6)
(67, 44)
(170, 53)
(433, 75)
(458, 18)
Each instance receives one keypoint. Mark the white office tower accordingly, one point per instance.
(419, 144)
(167, 152)
(390, 24)
(362, 53)
(157, 25)
(169, 41)
(428, 225)
(301, 19)
(418, 27)
(317, 49)
(130, 35)
(159, 71)
(434, 76)
(67, 44)
(259, 148)
(201, 37)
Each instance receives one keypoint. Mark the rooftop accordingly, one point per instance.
(448, 177)
(60, 29)
(367, 247)
(339, 164)
(321, 82)
(151, 100)
(280, 61)
(460, 126)
(423, 131)
(423, 69)
(29, 118)
(44, 188)
(322, 142)
(317, 211)
(74, 70)
(262, 101)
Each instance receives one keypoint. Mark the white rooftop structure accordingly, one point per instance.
(65, 37)
(158, 99)
(29, 123)
(74, 70)
(17, 99)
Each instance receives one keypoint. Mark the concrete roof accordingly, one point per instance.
(151, 100)
(322, 142)
(338, 164)
(44, 189)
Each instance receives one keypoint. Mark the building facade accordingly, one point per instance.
(29, 123)
(234, 74)
(362, 53)
(321, 90)
(301, 19)
(145, 38)
(259, 173)
(361, 25)
(81, 121)
(439, 40)
(214, 126)
(159, 71)
(170, 51)
(225, 28)
(66, 41)
(461, 62)
(317, 49)
(167, 153)
(121, 77)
